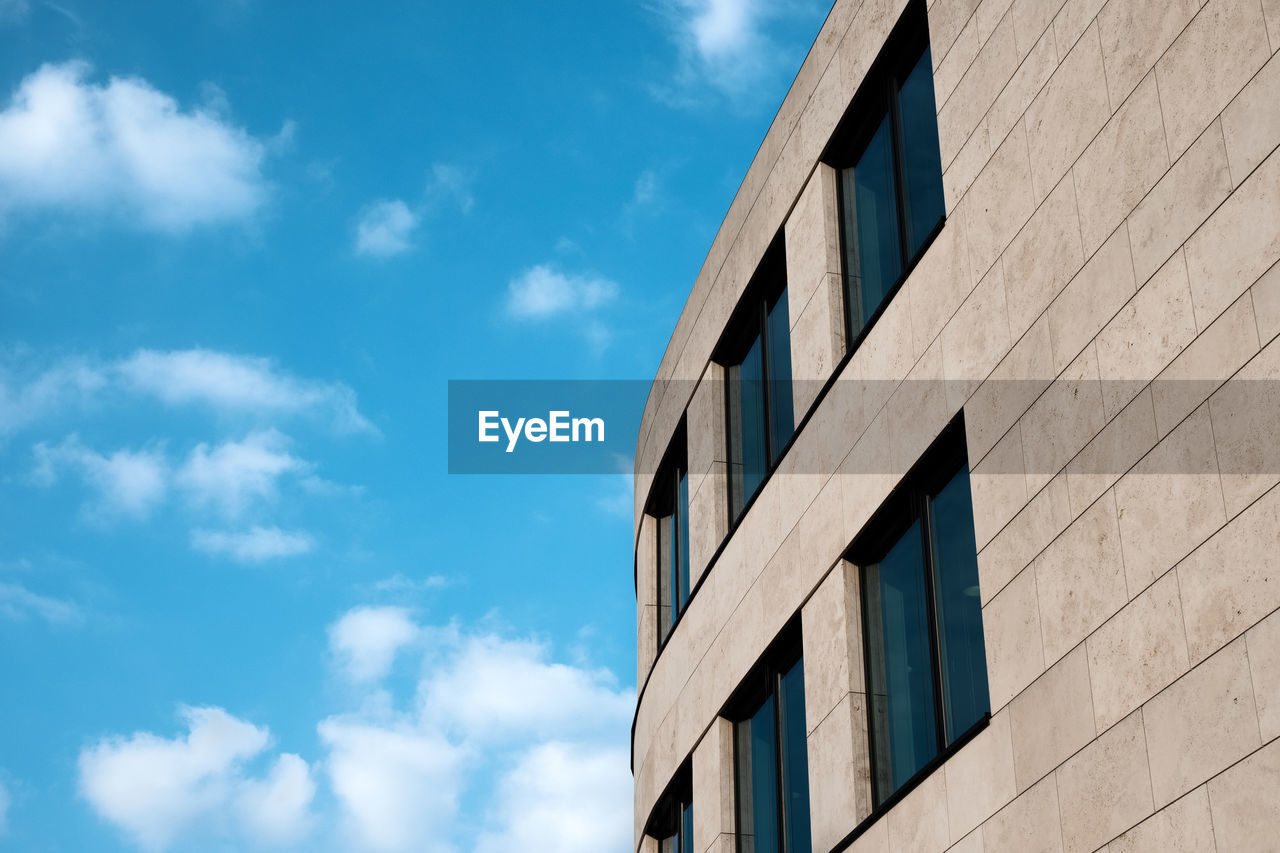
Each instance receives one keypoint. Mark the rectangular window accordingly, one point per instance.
(886, 153)
(670, 507)
(771, 755)
(757, 359)
(925, 655)
(672, 823)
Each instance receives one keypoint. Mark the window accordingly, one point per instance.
(757, 355)
(772, 761)
(886, 153)
(672, 823)
(925, 657)
(670, 506)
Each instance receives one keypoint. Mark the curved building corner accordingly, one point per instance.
(956, 514)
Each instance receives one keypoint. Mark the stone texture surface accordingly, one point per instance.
(1030, 824)
(1243, 801)
(1202, 724)
(1105, 788)
(1052, 719)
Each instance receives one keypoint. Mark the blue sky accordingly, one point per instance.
(244, 245)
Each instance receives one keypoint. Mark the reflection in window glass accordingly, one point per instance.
(772, 756)
(757, 782)
(872, 252)
(671, 509)
(960, 643)
(795, 760)
(891, 199)
(748, 456)
(920, 599)
(921, 161)
(782, 420)
(902, 709)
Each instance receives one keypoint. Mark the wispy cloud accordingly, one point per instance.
(128, 483)
(234, 474)
(543, 291)
(255, 545)
(159, 790)
(228, 383)
(68, 143)
(4, 809)
(450, 182)
(240, 383)
(401, 584)
(723, 46)
(385, 229)
(18, 603)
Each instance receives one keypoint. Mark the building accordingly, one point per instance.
(957, 520)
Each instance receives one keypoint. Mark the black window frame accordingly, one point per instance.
(877, 98)
(672, 818)
(763, 683)
(666, 500)
(908, 503)
(749, 323)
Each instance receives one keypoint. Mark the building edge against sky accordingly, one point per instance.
(957, 520)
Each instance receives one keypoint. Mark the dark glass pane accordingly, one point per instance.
(960, 643)
(757, 782)
(904, 728)
(921, 163)
(747, 458)
(795, 761)
(682, 510)
(686, 829)
(666, 614)
(873, 257)
(782, 420)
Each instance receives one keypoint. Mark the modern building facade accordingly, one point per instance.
(957, 522)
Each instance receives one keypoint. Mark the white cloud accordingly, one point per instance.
(723, 44)
(451, 182)
(4, 809)
(255, 545)
(276, 810)
(234, 474)
(225, 382)
(157, 789)
(485, 702)
(400, 583)
(128, 483)
(29, 397)
(492, 688)
(501, 748)
(237, 383)
(385, 228)
(19, 604)
(542, 291)
(578, 795)
(397, 786)
(646, 189)
(69, 143)
(365, 640)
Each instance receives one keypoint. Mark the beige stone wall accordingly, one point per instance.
(1113, 200)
